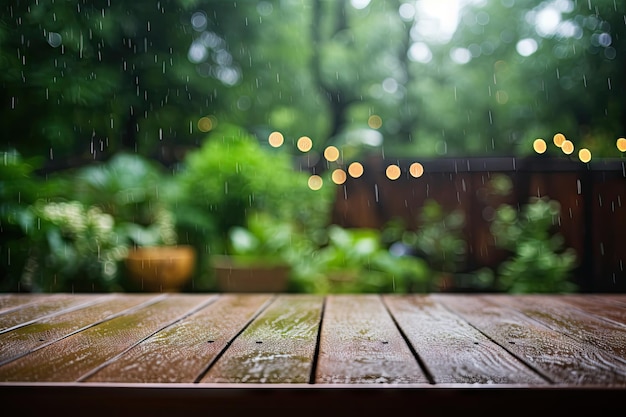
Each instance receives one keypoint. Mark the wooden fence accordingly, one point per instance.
(592, 198)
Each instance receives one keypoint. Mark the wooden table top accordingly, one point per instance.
(366, 352)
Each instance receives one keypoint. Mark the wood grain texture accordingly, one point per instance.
(560, 358)
(46, 306)
(584, 327)
(453, 350)
(598, 306)
(48, 330)
(483, 342)
(360, 344)
(182, 352)
(73, 357)
(13, 301)
(277, 347)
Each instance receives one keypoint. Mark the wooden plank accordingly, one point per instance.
(74, 356)
(48, 330)
(617, 298)
(13, 301)
(561, 317)
(277, 347)
(46, 306)
(182, 352)
(559, 357)
(599, 306)
(359, 344)
(453, 350)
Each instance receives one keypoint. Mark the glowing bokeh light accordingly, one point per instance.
(584, 155)
(331, 153)
(567, 147)
(276, 139)
(540, 146)
(621, 144)
(393, 172)
(304, 144)
(375, 121)
(315, 182)
(416, 169)
(355, 169)
(206, 123)
(339, 176)
(559, 139)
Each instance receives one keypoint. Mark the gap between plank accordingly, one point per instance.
(517, 357)
(106, 363)
(318, 340)
(420, 361)
(230, 342)
(126, 311)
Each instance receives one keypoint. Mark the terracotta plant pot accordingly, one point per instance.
(161, 268)
(254, 277)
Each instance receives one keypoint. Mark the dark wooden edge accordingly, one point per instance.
(327, 400)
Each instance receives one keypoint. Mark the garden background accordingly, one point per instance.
(373, 146)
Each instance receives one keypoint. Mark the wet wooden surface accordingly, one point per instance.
(446, 352)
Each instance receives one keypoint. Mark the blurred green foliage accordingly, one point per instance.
(233, 181)
(539, 262)
(80, 81)
(358, 261)
(87, 81)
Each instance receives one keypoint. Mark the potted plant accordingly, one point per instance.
(234, 189)
(259, 256)
(132, 190)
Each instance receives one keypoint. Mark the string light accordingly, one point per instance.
(393, 172)
(559, 139)
(331, 153)
(540, 146)
(276, 139)
(584, 155)
(304, 144)
(416, 169)
(315, 182)
(339, 176)
(355, 169)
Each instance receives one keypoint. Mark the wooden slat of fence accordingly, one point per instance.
(359, 343)
(42, 332)
(182, 352)
(53, 304)
(277, 347)
(73, 357)
(452, 350)
(562, 359)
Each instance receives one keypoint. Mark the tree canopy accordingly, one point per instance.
(82, 80)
